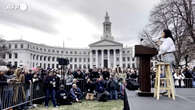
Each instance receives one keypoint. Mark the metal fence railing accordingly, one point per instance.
(16, 95)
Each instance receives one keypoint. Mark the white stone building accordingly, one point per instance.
(104, 53)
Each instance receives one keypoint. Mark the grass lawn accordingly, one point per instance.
(88, 105)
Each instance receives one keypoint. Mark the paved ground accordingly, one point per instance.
(185, 100)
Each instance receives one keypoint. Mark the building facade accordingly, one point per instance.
(104, 53)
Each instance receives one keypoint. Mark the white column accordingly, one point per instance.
(108, 58)
(90, 60)
(120, 58)
(102, 59)
(114, 58)
(96, 58)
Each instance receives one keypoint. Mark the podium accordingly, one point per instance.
(144, 55)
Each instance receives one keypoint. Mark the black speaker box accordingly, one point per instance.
(63, 61)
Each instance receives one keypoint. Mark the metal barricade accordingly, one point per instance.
(19, 95)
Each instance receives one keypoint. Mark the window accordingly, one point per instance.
(44, 50)
(88, 59)
(41, 58)
(80, 66)
(84, 59)
(123, 58)
(16, 64)
(128, 59)
(40, 49)
(45, 58)
(10, 56)
(10, 46)
(53, 51)
(49, 50)
(44, 66)
(93, 59)
(15, 55)
(53, 58)
(66, 52)
(128, 51)
(75, 66)
(123, 51)
(124, 65)
(75, 52)
(70, 59)
(48, 58)
(16, 46)
(80, 59)
(37, 57)
(75, 59)
(57, 51)
(21, 46)
(33, 57)
(48, 66)
(62, 52)
(117, 59)
(70, 52)
(133, 59)
(56, 65)
(53, 66)
(40, 65)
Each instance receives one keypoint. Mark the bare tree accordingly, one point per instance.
(176, 15)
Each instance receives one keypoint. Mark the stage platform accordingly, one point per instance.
(185, 100)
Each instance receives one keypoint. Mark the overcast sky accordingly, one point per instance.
(76, 22)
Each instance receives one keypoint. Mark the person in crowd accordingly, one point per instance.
(63, 97)
(90, 86)
(113, 87)
(122, 85)
(187, 72)
(57, 79)
(69, 79)
(106, 74)
(28, 84)
(3, 83)
(10, 79)
(76, 93)
(50, 83)
(79, 74)
(102, 94)
(179, 76)
(94, 74)
(118, 69)
(87, 74)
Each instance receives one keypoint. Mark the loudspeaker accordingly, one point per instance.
(132, 84)
(62, 61)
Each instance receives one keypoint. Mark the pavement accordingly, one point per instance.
(185, 100)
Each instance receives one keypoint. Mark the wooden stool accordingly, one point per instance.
(168, 81)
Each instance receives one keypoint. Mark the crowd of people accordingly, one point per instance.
(65, 87)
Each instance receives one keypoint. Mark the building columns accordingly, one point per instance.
(102, 59)
(120, 59)
(90, 60)
(108, 58)
(96, 59)
(114, 51)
